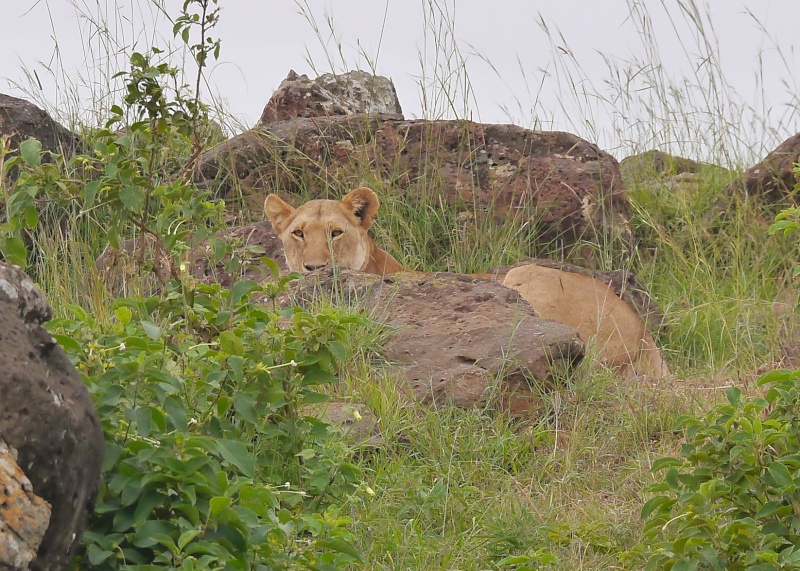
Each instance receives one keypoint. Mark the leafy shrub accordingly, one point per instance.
(209, 462)
(732, 500)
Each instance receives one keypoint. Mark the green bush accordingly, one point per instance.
(209, 462)
(732, 499)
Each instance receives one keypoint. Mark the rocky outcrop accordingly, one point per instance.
(564, 187)
(20, 120)
(772, 179)
(24, 516)
(47, 416)
(351, 93)
(456, 339)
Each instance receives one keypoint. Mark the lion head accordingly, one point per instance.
(323, 230)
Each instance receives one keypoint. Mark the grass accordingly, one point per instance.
(463, 489)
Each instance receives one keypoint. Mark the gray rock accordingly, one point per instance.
(351, 93)
(47, 416)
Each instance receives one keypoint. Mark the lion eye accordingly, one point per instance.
(336, 233)
(298, 233)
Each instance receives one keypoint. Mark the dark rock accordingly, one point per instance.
(47, 416)
(456, 338)
(20, 120)
(351, 93)
(772, 179)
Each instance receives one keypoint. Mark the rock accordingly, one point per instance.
(566, 187)
(20, 120)
(655, 164)
(773, 178)
(456, 339)
(47, 416)
(351, 93)
(24, 516)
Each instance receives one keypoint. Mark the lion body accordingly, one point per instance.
(322, 231)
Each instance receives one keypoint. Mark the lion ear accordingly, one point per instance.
(278, 212)
(364, 203)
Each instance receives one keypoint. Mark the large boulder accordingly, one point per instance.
(24, 516)
(47, 416)
(565, 187)
(350, 93)
(454, 338)
(20, 120)
(772, 179)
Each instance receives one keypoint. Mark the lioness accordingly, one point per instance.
(321, 228)
(322, 231)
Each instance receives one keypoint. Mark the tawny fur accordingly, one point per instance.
(322, 230)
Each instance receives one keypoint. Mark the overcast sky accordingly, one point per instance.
(704, 78)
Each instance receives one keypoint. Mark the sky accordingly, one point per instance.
(707, 79)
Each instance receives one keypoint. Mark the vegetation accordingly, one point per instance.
(212, 461)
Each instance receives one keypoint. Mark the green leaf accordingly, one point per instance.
(685, 565)
(338, 351)
(14, 251)
(237, 454)
(733, 395)
(231, 343)
(90, 193)
(241, 289)
(132, 198)
(123, 314)
(187, 536)
(145, 535)
(781, 474)
(30, 150)
(771, 508)
(341, 546)
(97, 555)
(218, 504)
(152, 330)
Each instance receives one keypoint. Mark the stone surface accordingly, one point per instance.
(772, 179)
(351, 93)
(24, 516)
(20, 120)
(656, 164)
(564, 186)
(47, 416)
(456, 339)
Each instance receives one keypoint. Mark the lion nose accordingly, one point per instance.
(312, 267)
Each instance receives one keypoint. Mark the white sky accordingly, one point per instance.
(627, 74)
